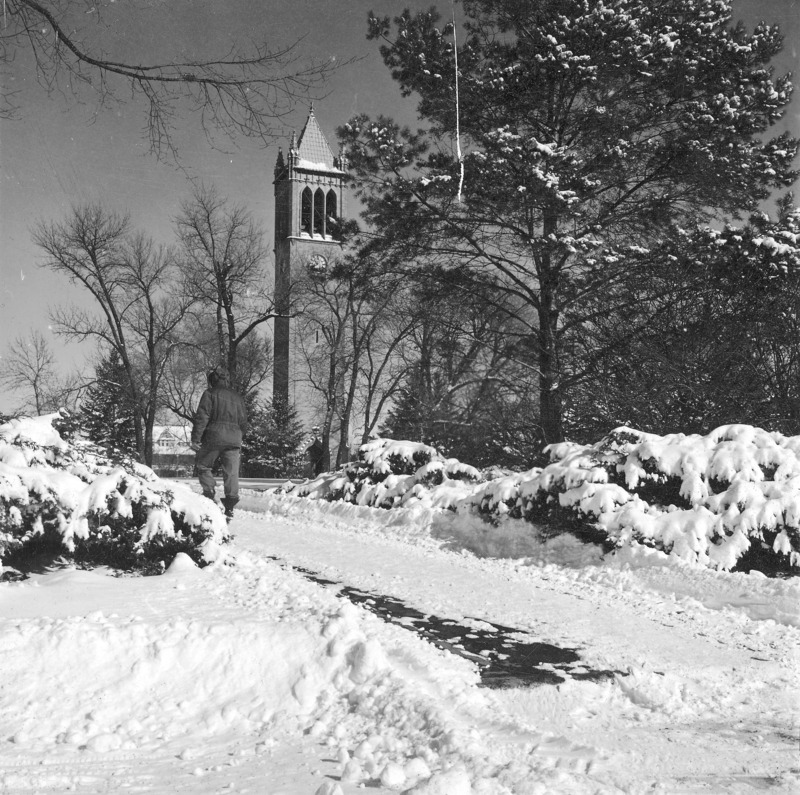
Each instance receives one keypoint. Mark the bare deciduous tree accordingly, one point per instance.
(223, 258)
(351, 324)
(29, 368)
(134, 285)
(240, 92)
(185, 380)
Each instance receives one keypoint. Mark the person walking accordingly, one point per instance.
(220, 422)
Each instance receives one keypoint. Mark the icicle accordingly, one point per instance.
(458, 123)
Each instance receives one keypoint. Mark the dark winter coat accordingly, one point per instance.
(220, 420)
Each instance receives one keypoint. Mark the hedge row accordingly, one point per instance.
(727, 500)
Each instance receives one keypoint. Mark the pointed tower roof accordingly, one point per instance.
(312, 149)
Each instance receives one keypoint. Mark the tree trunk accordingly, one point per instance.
(549, 375)
(148, 442)
(549, 390)
(343, 454)
(139, 413)
(326, 439)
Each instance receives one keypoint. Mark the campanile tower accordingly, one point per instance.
(309, 205)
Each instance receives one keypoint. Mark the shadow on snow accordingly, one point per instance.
(504, 656)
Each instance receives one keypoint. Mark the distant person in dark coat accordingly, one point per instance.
(220, 422)
(314, 459)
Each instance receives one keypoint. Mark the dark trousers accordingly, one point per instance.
(229, 460)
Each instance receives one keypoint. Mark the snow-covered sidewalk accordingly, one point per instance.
(250, 678)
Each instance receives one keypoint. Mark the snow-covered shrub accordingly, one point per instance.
(68, 498)
(386, 456)
(729, 499)
(391, 473)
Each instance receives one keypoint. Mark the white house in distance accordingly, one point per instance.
(172, 455)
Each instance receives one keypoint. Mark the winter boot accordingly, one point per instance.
(209, 495)
(228, 503)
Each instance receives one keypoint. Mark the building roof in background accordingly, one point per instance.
(182, 432)
(174, 437)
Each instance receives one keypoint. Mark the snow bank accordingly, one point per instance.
(728, 499)
(98, 510)
(291, 659)
(247, 676)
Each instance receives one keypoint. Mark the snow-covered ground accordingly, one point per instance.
(246, 676)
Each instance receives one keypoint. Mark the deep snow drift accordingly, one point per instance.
(246, 676)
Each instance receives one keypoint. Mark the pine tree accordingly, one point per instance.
(271, 447)
(493, 428)
(593, 132)
(107, 411)
(725, 349)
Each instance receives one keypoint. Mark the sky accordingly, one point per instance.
(62, 150)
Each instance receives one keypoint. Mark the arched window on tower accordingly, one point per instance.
(331, 218)
(319, 212)
(305, 211)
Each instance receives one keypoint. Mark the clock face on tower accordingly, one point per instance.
(318, 263)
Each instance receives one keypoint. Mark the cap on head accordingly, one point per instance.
(218, 377)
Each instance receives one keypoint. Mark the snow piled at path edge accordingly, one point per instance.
(631, 570)
(290, 658)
